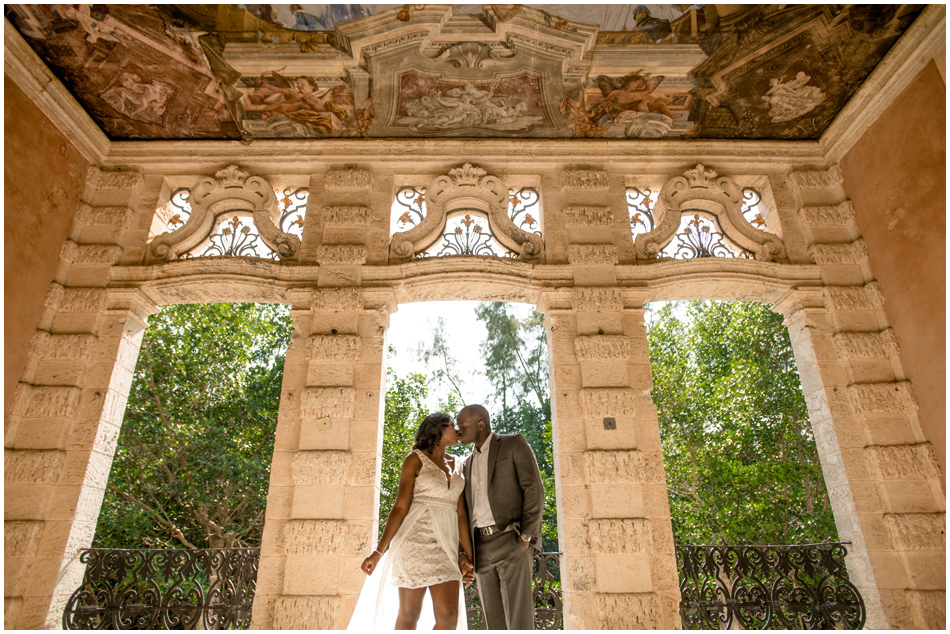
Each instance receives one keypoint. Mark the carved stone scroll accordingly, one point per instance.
(231, 189)
(465, 188)
(702, 189)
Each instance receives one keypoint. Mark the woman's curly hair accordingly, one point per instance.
(430, 431)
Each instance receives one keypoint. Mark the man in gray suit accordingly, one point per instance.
(505, 499)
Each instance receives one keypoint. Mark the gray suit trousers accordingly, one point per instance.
(503, 571)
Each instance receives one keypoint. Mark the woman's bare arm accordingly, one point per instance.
(407, 480)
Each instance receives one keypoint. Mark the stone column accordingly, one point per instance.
(619, 567)
(881, 473)
(61, 436)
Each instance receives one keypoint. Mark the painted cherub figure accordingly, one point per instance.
(634, 92)
(301, 100)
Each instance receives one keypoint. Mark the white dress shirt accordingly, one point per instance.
(481, 509)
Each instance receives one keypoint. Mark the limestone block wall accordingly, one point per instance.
(882, 475)
(61, 434)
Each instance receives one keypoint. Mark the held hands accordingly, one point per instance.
(468, 570)
(369, 564)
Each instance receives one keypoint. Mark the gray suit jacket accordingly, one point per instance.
(515, 491)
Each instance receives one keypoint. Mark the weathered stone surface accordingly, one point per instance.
(89, 254)
(592, 254)
(83, 300)
(48, 346)
(306, 613)
(21, 466)
(20, 539)
(115, 217)
(338, 300)
(46, 401)
(614, 402)
(854, 297)
(597, 299)
(113, 180)
(602, 347)
(315, 537)
(883, 398)
(618, 467)
(836, 215)
(583, 179)
(816, 179)
(341, 254)
(866, 345)
(620, 536)
(334, 347)
(850, 253)
(588, 217)
(629, 612)
(349, 179)
(897, 462)
(321, 467)
(346, 216)
(323, 402)
(917, 531)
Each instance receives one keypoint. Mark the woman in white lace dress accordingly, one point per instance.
(418, 550)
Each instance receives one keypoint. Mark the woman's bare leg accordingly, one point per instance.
(445, 602)
(410, 606)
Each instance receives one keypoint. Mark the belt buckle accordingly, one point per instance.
(485, 531)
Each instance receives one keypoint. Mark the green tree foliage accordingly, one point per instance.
(741, 462)
(193, 459)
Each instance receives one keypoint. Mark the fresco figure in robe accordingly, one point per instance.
(301, 100)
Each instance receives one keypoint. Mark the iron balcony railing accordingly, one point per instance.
(135, 589)
(722, 587)
(767, 587)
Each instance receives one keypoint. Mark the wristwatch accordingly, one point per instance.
(526, 538)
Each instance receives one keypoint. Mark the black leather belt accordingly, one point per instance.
(485, 531)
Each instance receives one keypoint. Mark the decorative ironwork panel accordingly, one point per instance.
(699, 236)
(751, 210)
(523, 209)
(409, 208)
(640, 205)
(468, 234)
(234, 235)
(546, 585)
(122, 589)
(177, 210)
(293, 209)
(767, 587)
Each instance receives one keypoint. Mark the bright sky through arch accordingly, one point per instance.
(414, 323)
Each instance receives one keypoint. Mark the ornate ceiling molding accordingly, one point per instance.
(39, 84)
(913, 51)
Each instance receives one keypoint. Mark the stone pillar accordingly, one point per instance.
(881, 473)
(68, 408)
(619, 567)
(322, 505)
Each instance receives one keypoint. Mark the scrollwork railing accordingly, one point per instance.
(767, 587)
(136, 589)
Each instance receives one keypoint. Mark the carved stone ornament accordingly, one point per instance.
(702, 189)
(465, 188)
(231, 189)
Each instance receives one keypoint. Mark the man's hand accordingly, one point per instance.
(526, 542)
(468, 570)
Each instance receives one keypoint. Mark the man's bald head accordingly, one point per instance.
(474, 424)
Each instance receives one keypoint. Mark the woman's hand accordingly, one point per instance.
(369, 564)
(468, 570)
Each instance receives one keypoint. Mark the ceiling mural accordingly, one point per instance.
(248, 71)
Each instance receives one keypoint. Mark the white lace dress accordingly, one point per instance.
(424, 552)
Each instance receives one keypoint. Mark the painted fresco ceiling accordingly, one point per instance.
(433, 71)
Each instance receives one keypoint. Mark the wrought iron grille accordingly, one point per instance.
(546, 583)
(234, 235)
(640, 205)
(293, 210)
(409, 208)
(523, 209)
(751, 199)
(137, 589)
(699, 236)
(177, 209)
(767, 587)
